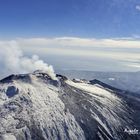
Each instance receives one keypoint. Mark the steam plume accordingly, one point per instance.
(13, 60)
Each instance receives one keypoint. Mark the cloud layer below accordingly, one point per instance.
(82, 42)
(122, 52)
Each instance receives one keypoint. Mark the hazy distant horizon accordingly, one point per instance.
(58, 71)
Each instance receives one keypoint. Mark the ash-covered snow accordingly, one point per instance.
(36, 107)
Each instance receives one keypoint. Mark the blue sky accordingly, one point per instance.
(82, 18)
(101, 35)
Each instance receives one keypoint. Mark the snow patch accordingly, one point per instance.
(94, 89)
(8, 137)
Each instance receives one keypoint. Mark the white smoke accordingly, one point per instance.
(12, 60)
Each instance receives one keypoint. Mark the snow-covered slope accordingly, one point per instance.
(129, 81)
(35, 107)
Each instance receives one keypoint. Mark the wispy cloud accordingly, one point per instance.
(81, 42)
(134, 65)
(138, 7)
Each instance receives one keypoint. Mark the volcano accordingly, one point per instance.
(36, 107)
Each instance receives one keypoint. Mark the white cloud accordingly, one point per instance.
(84, 47)
(80, 46)
(80, 42)
(138, 7)
(134, 65)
